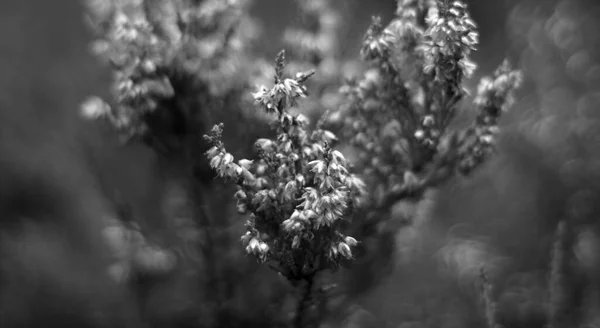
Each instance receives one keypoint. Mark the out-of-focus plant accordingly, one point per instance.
(178, 66)
(315, 44)
(316, 40)
(398, 117)
(173, 62)
(133, 253)
(297, 194)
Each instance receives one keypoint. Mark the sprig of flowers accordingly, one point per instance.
(397, 116)
(299, 190)
(160, 52)
(494, 97)
(138, 57)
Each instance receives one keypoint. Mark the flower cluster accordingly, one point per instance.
(450, 38)
(397, 115)
(138, 57)
(159, 51)
(494, 96)
(297, 192)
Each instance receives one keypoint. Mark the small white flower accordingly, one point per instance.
(227, 159)
(350, 241)
(317, 166)
(345, 250)
(94, 107)
(215, 162)
(245, 163)
(263, 248)
(296, 242)
(338, 157)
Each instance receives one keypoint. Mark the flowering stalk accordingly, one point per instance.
(163, 53)
(397, 116)
(299, 189)
(297, 193)
(494, 97)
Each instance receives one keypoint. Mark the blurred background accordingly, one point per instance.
(70, 173)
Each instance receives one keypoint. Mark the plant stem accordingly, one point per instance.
(300, 319)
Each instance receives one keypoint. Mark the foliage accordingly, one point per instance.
(298, 191)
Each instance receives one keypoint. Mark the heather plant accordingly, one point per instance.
(172, 61)
(177, 67)
(399, 114)
(398, 117)
(296, 194)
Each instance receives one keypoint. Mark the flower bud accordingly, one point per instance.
(329, 136)
(264, 144)
(329, 218)
(299, 180)
(212, 152)
(297, 226)
(296, 242)
(263, 248)
(238, 170)
(215, 162)
(333, 252)
(241, 208)
(246, 237)
(148, 66)
(260, 170)
(272, 195)
(227, 159)
(252, 246)
(350, 241)
(419, 134)
(290, 187)
(294, 157)
(428, 121)
(338, 156)
(288, 225)
(344, 249)
(245, 163)
(487, 139)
